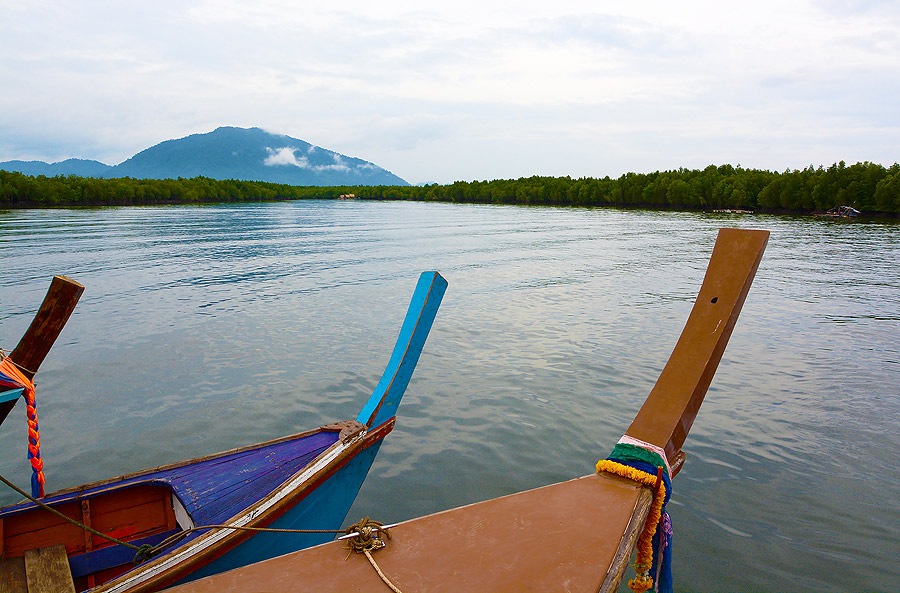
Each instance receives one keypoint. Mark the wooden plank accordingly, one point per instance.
(55, 310)
(132, 512)
(47, 571)
(38, 529)
(88, 538)
(626, 545)
(12, 576)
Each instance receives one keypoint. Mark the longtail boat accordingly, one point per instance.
(575, 536)
(274, 497)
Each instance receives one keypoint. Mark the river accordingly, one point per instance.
(206, 328)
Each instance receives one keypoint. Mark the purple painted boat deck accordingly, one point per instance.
(212, 490)
(216, 488)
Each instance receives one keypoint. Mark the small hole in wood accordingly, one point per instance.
(714, 300)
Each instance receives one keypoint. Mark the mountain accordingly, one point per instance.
(80, 167)
(229, 153)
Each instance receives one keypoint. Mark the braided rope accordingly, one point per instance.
(17, 378)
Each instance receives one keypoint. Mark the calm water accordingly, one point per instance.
(208, 328)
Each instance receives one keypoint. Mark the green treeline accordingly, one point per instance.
(868, 187)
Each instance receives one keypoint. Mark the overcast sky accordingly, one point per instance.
(470, 90)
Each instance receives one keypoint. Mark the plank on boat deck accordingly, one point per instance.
(39, 571)
(474, 548)
(12, 576)
(45, 570)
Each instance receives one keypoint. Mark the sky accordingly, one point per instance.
(462, 91)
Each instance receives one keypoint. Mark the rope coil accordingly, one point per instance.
(367, 538)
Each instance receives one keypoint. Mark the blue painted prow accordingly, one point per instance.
(382, 405)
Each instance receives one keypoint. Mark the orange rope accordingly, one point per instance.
(9, 368)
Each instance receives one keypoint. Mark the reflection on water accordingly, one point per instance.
(211, 327)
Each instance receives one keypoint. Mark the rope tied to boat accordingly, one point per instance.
(13, 378)
(367, 538)
(147, 551)
(647, 464)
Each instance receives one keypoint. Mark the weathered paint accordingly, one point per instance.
(324, 508)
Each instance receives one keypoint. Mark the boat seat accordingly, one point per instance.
(45, 570)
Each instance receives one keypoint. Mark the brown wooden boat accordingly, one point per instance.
(575, 536)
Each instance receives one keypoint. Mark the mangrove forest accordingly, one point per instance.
(868, 187)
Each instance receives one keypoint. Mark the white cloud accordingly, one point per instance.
(287, 156)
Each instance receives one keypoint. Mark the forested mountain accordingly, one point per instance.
(228, 153)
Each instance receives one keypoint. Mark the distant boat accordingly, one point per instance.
(304, 482)
(575, 536)
(843, 212)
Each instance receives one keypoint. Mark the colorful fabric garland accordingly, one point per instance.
(653, 563)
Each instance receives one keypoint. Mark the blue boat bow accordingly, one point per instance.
(301, 482)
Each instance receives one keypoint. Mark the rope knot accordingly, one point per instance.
(364, 537)
(368, 536)
(145, 552)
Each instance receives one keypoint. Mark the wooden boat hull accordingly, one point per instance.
(324, 508)
(306, 482)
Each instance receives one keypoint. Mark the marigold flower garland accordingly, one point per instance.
(644, 560)
(630, 452)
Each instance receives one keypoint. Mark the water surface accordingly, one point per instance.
(204, 328)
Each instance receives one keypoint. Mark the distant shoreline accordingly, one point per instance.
(870, 188)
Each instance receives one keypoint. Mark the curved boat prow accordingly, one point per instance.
(423, 307)
(669, 411)
(32, 349)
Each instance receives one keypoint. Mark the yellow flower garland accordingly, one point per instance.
(644, 560)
